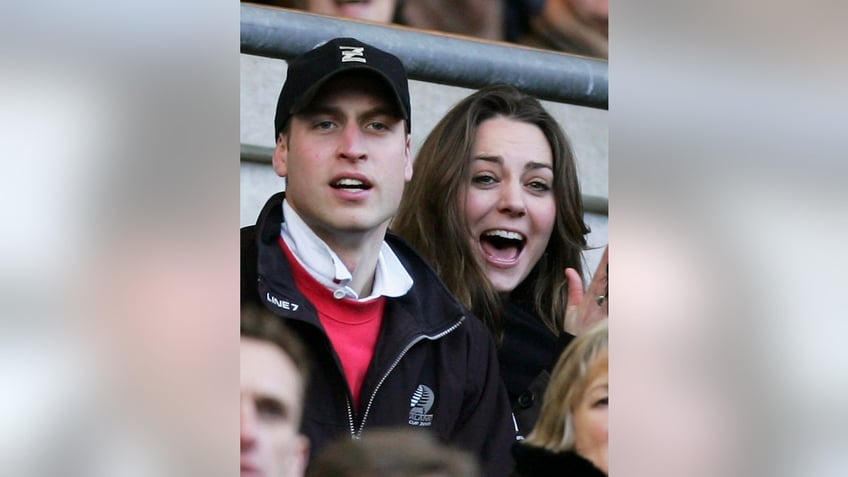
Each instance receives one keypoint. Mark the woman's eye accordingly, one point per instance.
(539, 186)
(602, 402)
(483, 179)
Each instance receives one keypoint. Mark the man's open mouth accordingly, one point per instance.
(502, 245)
(350, 184)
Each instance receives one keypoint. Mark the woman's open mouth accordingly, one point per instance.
(502, 247)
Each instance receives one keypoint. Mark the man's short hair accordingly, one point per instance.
(393, 452)
(259, 323)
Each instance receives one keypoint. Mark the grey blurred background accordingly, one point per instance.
(727, 146)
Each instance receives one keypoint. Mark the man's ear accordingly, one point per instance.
(280, 158)
(407, 153)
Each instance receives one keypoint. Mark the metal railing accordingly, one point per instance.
(434, 57)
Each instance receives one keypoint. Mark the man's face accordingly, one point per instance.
(271, 408)
(346, 159)
(372, 10)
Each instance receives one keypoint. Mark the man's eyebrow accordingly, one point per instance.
(383, 110)
(268, 402)
(324, 109)
(316, 109)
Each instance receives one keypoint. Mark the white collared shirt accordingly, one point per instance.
(391, 278)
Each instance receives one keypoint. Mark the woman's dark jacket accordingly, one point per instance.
(527, 356)
(531, 461)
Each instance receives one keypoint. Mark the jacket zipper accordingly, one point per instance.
(350, 419)
(357, 435)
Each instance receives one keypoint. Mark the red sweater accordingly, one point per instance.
(352, 326)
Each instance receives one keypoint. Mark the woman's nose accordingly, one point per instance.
(512, 199)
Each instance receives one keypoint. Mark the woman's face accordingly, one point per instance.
(591, 418)
(508, 199)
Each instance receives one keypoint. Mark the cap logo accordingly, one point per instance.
(353, 53)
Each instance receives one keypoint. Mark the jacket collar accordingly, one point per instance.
(429, 308)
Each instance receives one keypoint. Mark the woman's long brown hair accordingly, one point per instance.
(430, 215)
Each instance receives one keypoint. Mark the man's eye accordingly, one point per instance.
(378, 126)
(270, 409)
(324, 125)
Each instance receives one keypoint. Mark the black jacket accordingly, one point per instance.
(527, 357)
(534, 461)
(435, 366)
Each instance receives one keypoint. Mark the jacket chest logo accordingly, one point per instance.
(280, 303)
(419, 406)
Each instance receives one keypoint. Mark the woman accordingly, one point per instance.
(495, 206)
(571, 436)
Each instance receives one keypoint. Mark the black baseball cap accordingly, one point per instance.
(309, 71)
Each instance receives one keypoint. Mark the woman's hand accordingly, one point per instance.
(586, 309)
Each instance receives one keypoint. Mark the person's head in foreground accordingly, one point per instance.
(574, 414)
(273, 372)
(391, 452)
(495, 205)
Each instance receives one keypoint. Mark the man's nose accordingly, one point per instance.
(352, 143)
(247, 424)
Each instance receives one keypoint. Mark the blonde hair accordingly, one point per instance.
(575, 369)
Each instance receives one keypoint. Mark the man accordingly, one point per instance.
(273, 374)
(372, 10)
(380, 11)
(480, 18)
(574, 26)
(391, 345)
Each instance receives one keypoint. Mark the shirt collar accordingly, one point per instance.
(391, 278)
